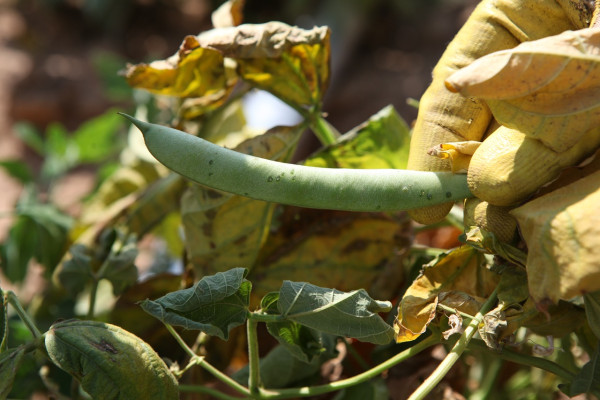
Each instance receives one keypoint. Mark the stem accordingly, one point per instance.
(451, 310)
(323, 130)
(92, 304)
(202, 363)
(528, 360)
(355, 380)
(253, 357)
(12, 299)
(457, 350)
(489, 380)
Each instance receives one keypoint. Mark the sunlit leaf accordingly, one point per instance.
(547, 88)
(228, 14)
(458, 279)
(458, 153)
(109, 362)
(561, 234)
(352, 314)
(381, 142)
(338, 249)
(194, 71)
(214, 305)
(289, 62)
(95, 139)
(223, 230)
(10, 361)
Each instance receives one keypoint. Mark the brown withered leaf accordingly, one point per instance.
(336, 249)
(193, 72)
(228, 14)
(548, 89)
(224, 231)
(457, 279)
(289, 62)
(562, 229)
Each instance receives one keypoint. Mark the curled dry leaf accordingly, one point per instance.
(458, 153)
(457, 279)
(548, 89)
(561, 229)
(228, 14)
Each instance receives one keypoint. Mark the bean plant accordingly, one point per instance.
(311, 260)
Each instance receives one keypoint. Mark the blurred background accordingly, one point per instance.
(59, 64)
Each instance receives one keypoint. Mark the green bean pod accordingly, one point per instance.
(369, 190)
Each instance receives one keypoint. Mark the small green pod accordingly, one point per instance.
(368, 190)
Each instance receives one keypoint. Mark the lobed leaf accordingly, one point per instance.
(214, 305)
(352, 314)
(109, 362)
(548, 88)
(561, 234)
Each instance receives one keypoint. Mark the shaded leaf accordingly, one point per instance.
(75, 272)
(302, 342)
(279, 368)
(352, 314)
(18, 170)
(289, 62)
(547, 88)
(588, 379)
(214, 305)
(3, 322)
(381, 142)
(30, 136)
(345, 250)
(224, 230)
(557, 320)
(119, 267)
(109, 362)
(561, 234)
(373, 389)
(457, 279)
(592, 311)
(488, 242)
(10, 362)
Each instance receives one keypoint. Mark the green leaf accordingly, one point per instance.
(18, 170)
(9, 364)
(95, 139)
(374, 389)
(214, 305)
(382, 142)
(588, 378)
(18, 248)
(120, 268)
(280, 368)
(109, 362)
(76, 272)
(30, 136)
(3, 321)
(592, 311)
(352, 314)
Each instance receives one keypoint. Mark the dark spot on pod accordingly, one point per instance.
(270, 179)
(211, 162)
(448, 194)
(210, 174)
(429, 196)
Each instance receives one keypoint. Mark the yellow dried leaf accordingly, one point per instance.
(548, 89)
(223, 230)
(562, 229)
(457, 279)
(290, 62)
(228, 14)
(193, 72)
